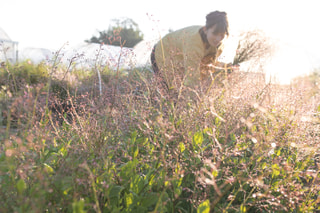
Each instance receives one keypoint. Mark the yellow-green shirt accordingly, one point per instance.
(179, 54)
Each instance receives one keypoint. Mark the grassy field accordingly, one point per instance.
(242, 146)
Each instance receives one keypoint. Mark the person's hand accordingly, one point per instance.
(235, 67)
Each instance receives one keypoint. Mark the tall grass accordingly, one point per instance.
(241, 146)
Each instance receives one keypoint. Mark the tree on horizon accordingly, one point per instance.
(121, 32)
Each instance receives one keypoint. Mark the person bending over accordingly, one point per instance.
(186, 57)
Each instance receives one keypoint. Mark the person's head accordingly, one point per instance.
(217, 27)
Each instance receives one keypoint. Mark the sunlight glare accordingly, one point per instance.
(288, 63)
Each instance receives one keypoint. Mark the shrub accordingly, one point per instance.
(15, 77)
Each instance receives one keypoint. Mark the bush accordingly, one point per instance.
(15, 77)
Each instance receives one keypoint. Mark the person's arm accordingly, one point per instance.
(210, 64)
(229, 67)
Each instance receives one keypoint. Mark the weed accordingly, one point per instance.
(125, 146)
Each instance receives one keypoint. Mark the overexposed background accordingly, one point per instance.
(51, 24)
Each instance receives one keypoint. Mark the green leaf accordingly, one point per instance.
(178, 122)
(264, 165)
(215, 172)
(114, 193)
(136, 152)
(63, 151)
(181, 147)
(128, 170)
(198, 138)
(243, 208)
(134, 136)
(217, 121)
(233, 138)
(275, 170)
(137, 184)
(204, 207)
(48, 168)
(149, 200)
(21, 186)
(78, 206)
(128, 199)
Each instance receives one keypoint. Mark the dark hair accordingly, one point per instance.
(220, 19)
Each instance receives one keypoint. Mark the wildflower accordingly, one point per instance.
(271, 152)
(231, 197)
(273, 145)
(254, 140)
(231, 180)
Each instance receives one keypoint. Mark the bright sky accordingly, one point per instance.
(50, 24)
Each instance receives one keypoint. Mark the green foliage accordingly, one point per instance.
(61, 88)
(135, 150)
(204, 207)
(15, 77)
(123, 32)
